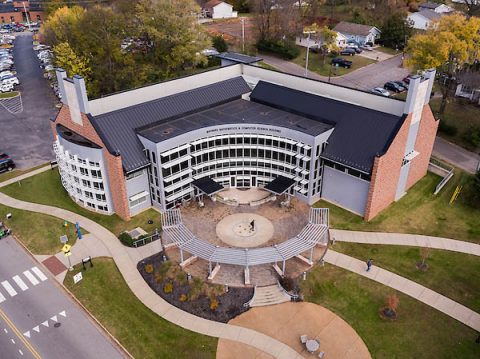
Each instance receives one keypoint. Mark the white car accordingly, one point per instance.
(380, 91)
(6, 87)
(10, 80)
(6, 74)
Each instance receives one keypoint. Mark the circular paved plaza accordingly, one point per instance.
(244, 230)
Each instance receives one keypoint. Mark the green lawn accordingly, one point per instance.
(419, 331)
(419, 212)
(455, 275)
(39, 232)
(16, 172)
(46, 188)
(460, 114)
(8, 94)
(143, 333)
(316, 63)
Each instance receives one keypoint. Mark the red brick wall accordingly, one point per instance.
(116, 177)
(424, 145)
(33, 16)
(386, 172)
(17, 17)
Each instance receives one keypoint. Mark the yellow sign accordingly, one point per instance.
(66, 248)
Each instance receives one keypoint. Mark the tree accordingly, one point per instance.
(219, 43)
(72, 63)
(448, 45)
(64, 26)
(396, 29)
(473, 7)
(171, 29)
(329, 42)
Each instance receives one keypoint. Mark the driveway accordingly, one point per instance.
(27, 136)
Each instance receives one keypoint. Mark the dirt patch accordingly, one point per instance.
(190, 294)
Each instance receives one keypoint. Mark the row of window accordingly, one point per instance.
(347, 170)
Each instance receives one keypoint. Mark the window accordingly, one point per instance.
(96, 173)
(137, 199)
(100, 197)
(86, 183)
(135, 174)
(83, 171)
(89, 194)
(98, 185)
(39, 18)
(154, 159)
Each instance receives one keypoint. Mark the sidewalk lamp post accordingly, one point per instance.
(308, 33)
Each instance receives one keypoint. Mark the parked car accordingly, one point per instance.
(338, 61)
(347, 51)
(6, 163)
(10, 80)
(356, 49)
(6, 87)
(392, 86)
(380, 91)
(402, 84)
(366, 47)
(406, 79)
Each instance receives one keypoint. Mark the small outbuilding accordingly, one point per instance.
(423, 19)
(217, 9)
(358, 32)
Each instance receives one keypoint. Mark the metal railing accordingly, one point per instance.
(142, 241)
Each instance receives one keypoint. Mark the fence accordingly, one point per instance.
(441, 169)
(142, 241)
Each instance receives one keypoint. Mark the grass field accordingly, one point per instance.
(16, 172)
(46, 188)
(8, 94)
(142, 332)
(315, 63)
(460, 114)
(418, 332)
(39, 232)
(419, 212)
(455, 275)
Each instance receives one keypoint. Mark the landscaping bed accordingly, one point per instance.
(193, 295)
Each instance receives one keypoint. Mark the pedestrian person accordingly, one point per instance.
(369, 264)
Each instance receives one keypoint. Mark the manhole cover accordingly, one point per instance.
(57, 325)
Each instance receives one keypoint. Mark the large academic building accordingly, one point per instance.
(241, 126)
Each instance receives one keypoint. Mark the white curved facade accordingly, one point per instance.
(83, 174)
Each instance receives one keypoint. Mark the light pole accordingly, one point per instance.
(308, 49)
(242, 19)
(26, 15)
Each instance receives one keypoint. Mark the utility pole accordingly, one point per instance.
(242, 19)
(308, 49)
(26, 15)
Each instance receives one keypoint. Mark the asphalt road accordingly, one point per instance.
(454, 154)
(38, 319)
(27, 136)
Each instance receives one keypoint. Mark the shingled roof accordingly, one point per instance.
(352, 28)
(118, 128)
(359, 133)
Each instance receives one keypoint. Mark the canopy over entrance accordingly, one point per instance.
(207, 185)
(279, 185)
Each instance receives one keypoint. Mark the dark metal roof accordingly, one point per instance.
(117, 128)
(207, 185)
(236, 112)
(279, 185)
(359, 133)
(240, 58)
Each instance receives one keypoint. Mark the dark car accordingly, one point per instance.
(356, 49)
(402, 84)
(392, 86)
(338, 61)
(6, 163)
(348, 51)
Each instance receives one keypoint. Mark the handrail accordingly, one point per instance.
(247, 304)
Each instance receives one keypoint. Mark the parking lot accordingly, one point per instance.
(27, 136)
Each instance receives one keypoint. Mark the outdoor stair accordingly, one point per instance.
(272, 294)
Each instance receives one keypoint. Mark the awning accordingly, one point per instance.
(207, 185)
(279, 185)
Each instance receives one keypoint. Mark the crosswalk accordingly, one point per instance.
(21, 282)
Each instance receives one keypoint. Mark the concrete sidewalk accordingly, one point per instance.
(408, 287)
(127, 267)
(402, 239)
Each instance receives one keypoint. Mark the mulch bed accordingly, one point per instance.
(230, 304)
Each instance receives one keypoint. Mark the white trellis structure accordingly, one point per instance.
(313, 234)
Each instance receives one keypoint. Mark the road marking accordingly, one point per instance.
(13, 341)
(19, 335)
(2, 298)
(5, 330)
(20, 283)
(37, 329)
(8, 287)
(39, 274)
(20, 351)
(30, 277)
(63, 313)
(54, 318)
(45, 323)
(27, 334)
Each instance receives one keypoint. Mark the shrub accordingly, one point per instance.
(219, 43)
(285, 49)
(158, 277)
(447, 129)
(288, 283)
(213, 304)
(168, 288)
(183, 298)
(149, 268)
(472, 136)
(126, 239)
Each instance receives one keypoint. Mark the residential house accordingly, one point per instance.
(438, 8)
(316, 40)
(423, 19)
(217, 9)
(358, 32)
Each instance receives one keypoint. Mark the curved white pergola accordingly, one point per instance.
(314, 233)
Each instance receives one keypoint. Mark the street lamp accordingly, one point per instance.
(308, 48)
(242, 19)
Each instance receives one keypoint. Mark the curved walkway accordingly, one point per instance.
(402, 239)
(406, 286)
(148, 297)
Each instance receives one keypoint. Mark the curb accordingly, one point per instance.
(70, 294)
